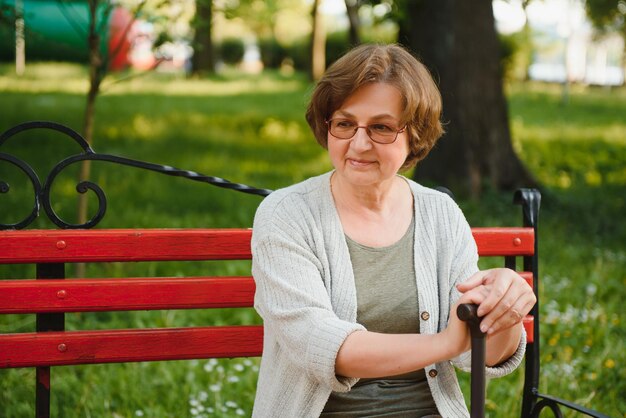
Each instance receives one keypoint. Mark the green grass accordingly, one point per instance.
(251, 129)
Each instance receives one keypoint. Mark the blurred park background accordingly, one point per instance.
(534, 96)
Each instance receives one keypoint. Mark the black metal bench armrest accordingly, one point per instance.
(552, 402)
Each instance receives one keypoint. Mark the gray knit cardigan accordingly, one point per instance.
(306, 295)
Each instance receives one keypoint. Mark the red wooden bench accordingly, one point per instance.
(50, 294)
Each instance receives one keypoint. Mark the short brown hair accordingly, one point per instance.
(391, 64)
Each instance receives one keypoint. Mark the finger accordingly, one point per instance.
(510, 317)
(474, 280)
(499, 287)
(476, 296)
(518, 291)
(530, 302)
(501, 316)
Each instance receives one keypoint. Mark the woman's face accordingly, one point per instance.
(359, 160)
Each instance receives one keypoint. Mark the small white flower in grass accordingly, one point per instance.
(215, 387)
(210, 365)
(247, 362)
(255, 368)
(567, 369)
(220, 369)
(193, 402)
(203, 395)
(224, 409)
(210, 410)
(193, 411)
(238, 367)
(233, 379)
(240, 411)
(592, 289)
(231, 404)
(139, 413)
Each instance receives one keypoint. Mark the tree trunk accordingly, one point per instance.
(203, 60)
(457, 40)
(20, 42)
(352, 7)
(528, 48)
(96, 72)
(318, 43)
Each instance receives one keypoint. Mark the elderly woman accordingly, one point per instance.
(359, 270)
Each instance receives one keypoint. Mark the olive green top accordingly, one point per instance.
(387, 302)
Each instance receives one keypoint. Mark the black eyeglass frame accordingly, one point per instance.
(367, 130)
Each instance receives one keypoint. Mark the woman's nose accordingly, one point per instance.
(361, 140)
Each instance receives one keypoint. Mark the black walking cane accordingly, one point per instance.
(467, 312)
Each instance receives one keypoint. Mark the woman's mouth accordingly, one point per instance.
(359, 163)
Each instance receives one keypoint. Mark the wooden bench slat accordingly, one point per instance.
(52, 246)
(504, 241)
(94, 295)
(72, 246)
(128, 294)
(129, 345)
(529, 326)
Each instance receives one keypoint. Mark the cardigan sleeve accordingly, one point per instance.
(464, 265)
(291, 296)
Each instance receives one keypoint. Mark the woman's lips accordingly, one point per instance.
(359, 163)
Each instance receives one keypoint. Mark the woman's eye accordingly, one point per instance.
(381, 128)
(344, 124)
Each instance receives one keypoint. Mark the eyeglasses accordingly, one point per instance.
(378, 132)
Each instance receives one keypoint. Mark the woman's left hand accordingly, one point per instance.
(503, 298)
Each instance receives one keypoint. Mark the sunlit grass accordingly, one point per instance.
(71, 78)
(177, 86)
(251, 129)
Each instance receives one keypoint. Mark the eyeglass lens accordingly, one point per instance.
(378, 132)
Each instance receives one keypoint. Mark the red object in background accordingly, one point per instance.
(120, 38)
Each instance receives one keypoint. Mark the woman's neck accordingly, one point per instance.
(380, 199)
(374, 216)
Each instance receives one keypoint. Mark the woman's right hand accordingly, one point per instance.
(457, 334)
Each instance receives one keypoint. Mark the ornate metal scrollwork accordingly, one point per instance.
(547, 403)
(42, 192)
(5, 188)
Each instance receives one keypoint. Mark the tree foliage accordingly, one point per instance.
(607, 15)
(231, 50)
(260, 15)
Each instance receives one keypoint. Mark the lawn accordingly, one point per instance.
(251, 129)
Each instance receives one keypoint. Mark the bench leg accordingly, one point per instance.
(42, 393)
(47, 322)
